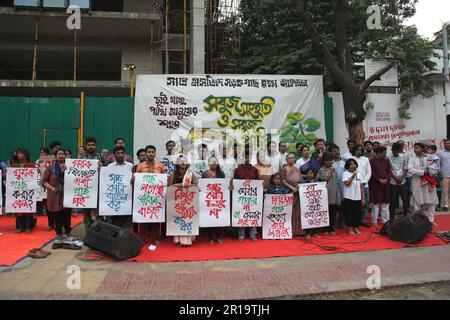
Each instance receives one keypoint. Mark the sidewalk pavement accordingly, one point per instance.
(230, 279)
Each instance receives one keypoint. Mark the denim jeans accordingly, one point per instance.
(366, 207)
(241, 232)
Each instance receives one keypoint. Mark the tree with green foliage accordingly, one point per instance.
(329, 37)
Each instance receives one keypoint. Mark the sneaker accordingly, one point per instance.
(27, 231)
(58, 237)
(254, 239)
(241, 239)
(219, 241)
(445, 209)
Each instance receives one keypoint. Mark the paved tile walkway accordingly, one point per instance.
(232, 279)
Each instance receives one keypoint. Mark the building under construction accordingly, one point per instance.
(65, 76)
(43, 53)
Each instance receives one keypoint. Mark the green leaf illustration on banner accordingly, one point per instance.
(298, 129)
(312, 125)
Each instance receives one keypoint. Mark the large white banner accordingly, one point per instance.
(149, 203)
(314, 205)
(168, 106)
(277, 218)
(115, 196)
(214, 202)
(21, 190)
(81, 183)
(247, 203)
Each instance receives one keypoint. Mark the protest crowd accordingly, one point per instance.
(366, 184)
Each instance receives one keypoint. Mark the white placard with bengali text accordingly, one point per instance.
(81, 184)
(277, 217)
(247, 203)
(314, 205)
(214, 202)
(149, 200)
(21, 190)
(115, 192)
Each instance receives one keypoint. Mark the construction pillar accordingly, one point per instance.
(197, 37)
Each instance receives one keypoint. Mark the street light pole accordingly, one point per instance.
(446, 76)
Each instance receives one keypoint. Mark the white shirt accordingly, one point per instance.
(364, 168)
(346, 156)
(125, 164)
(353, 191)
(283, 160)
(301, 162)
(274, 161)
(228, 166)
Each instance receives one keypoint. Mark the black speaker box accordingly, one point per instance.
(110, 239)
(410, 229)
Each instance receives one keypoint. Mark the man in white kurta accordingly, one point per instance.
(424, 195)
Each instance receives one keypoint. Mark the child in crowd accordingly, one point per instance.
(310, 176)
(328, 174)
(276, 187)
(433, 169)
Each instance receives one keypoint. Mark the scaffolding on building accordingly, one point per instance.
(223, 36)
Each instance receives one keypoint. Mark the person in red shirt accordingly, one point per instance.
(246, 172)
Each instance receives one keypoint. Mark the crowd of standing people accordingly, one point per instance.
(364, 178)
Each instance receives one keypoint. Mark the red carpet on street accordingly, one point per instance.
(233, 249)
(14, 246)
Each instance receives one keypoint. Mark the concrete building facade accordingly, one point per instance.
(41, 56)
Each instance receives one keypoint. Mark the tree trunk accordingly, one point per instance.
(354, 110)
(356, 131)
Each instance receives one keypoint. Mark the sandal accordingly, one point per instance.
(47, 253)
(36, 254)
(57, 245)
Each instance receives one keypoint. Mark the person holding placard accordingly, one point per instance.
(291, 178)
(24, 221)
(354, 197)
(183, 176)
(120, 161)
(310, 176)
(150, 165)
(214, 172)
(53, 180)
(89, 215)
(328, 174)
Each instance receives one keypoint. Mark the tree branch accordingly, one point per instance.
(374, 77)
(318, 43)
(340, 33)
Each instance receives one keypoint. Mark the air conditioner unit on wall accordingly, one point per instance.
(82, 4)
(54, 4)
(27, 3)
